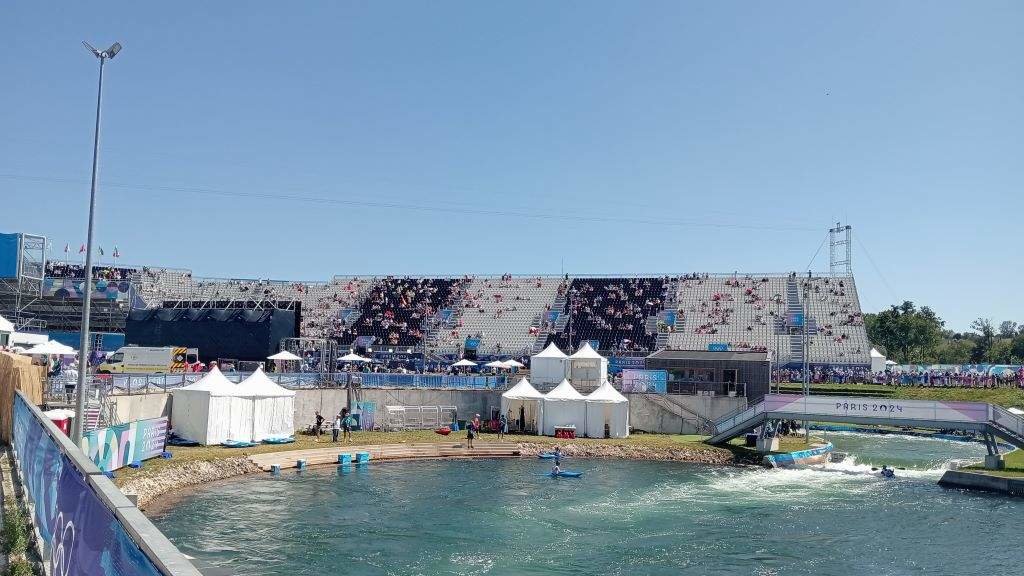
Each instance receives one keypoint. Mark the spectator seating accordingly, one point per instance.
(396, 308)
(613, 311)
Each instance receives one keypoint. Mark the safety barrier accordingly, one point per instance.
(86, 525)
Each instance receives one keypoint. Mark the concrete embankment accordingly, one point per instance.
(983, 482)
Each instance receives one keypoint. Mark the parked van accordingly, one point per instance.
(143, 360)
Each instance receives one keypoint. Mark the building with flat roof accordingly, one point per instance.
(721, 373)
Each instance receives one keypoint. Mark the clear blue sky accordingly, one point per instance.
(265, 139)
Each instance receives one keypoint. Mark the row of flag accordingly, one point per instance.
(81, 250)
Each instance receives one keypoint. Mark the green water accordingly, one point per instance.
(630, 518)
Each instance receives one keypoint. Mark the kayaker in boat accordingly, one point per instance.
(556, 469)
(558, 455)
(887, 472)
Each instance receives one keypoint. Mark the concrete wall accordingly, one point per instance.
(643, 414)
(649, 417)
(983, 482)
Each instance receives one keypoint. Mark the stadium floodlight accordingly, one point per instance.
(83, 343)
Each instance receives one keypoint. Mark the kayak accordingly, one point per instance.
(279, 440)
(565, 474)
(550, 456)
(237, 444)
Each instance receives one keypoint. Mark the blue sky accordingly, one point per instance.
(264, 139)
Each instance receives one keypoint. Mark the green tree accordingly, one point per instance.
(983, 346)
(954, 351)
(1007, 329)
(1017, 349)
(909, 334)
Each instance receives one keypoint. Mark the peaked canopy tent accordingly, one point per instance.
(877, 361)
(273, 407)
(6, 329)
(210, 411)
(587, 367)
(524, 405)
(564, 406)
(607, 413)
(549, 367)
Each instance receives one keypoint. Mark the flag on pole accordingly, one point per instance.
(82, 249)
(116, 253)
(66, 248)
(101, 251)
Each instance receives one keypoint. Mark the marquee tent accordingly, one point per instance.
(877, 361)
(564, 406)
(524, 406)
(6, 329)
(607, 408)
(550, 366)
(587, 368)
(210, 410)
(273, 407)
(49, 348)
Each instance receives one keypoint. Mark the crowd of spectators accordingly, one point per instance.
(613, 311)
(938, 378)
(66, 270)
(395, 309)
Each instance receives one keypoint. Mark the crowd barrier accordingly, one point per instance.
(153, 383)
(86, 526)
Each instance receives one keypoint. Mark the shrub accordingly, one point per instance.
(15, 530)
(20, 567)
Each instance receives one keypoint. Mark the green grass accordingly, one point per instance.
(305, 442)
(1014, 466)
(1005, 397)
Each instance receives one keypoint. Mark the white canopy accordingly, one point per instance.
(210, 411)
(514, 363)
(496, 364)
(273, 410)
(587, 367)
(607, 408)
(6, 325)
(551, 366)
(352, 357)
(464, 362)
(877, 361)
(283, 355)
(51, 347)
(27, 339)
(564, 406)
(523, 405)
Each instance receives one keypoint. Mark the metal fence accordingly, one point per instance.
(155, 383)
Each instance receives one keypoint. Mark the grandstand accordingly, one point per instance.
(499, 315)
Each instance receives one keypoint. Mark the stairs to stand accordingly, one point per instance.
(702, 424)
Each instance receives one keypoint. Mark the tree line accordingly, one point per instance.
(907, 334)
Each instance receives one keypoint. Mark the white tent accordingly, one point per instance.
(27, 339)
(51, 347)
(496, 364)
(273, 407)
(607, 408)
(564, 406)
(524, 405)
(464, 362)
(551, 366)
(283, 355)
(6, 329)
(352, 357)
(587, 367)
(510, 363)
(210, 410)
(877, 361)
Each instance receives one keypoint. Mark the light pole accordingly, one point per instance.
(83, 347)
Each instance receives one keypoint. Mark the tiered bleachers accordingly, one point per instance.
(321, 301)
(839, 336)
(614, 311)
(395, 309)
(505, 313)
(741, 311)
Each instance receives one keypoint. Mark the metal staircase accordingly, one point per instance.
(702, 424)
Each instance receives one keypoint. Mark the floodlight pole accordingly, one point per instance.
(83, 346)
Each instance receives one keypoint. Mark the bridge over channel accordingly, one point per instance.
(980, 417)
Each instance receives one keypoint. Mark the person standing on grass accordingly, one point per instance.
(347, 422)
(502, 427)
(336, 427)
(319, 423)
(470, 432)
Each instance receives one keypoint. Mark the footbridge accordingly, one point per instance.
(989, 420)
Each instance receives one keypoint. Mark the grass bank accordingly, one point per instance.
(1014, 466)
(1006, 397)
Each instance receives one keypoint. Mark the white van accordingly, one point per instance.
(143, 360)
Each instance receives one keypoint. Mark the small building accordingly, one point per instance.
(720, 373)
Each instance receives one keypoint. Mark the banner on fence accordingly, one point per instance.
(718, 347)
(80, 534)
(118, 446)
(645, 381)
(73, 288)
(617, 364)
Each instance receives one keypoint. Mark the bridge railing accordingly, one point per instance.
(1008, 420)
(730, 421)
